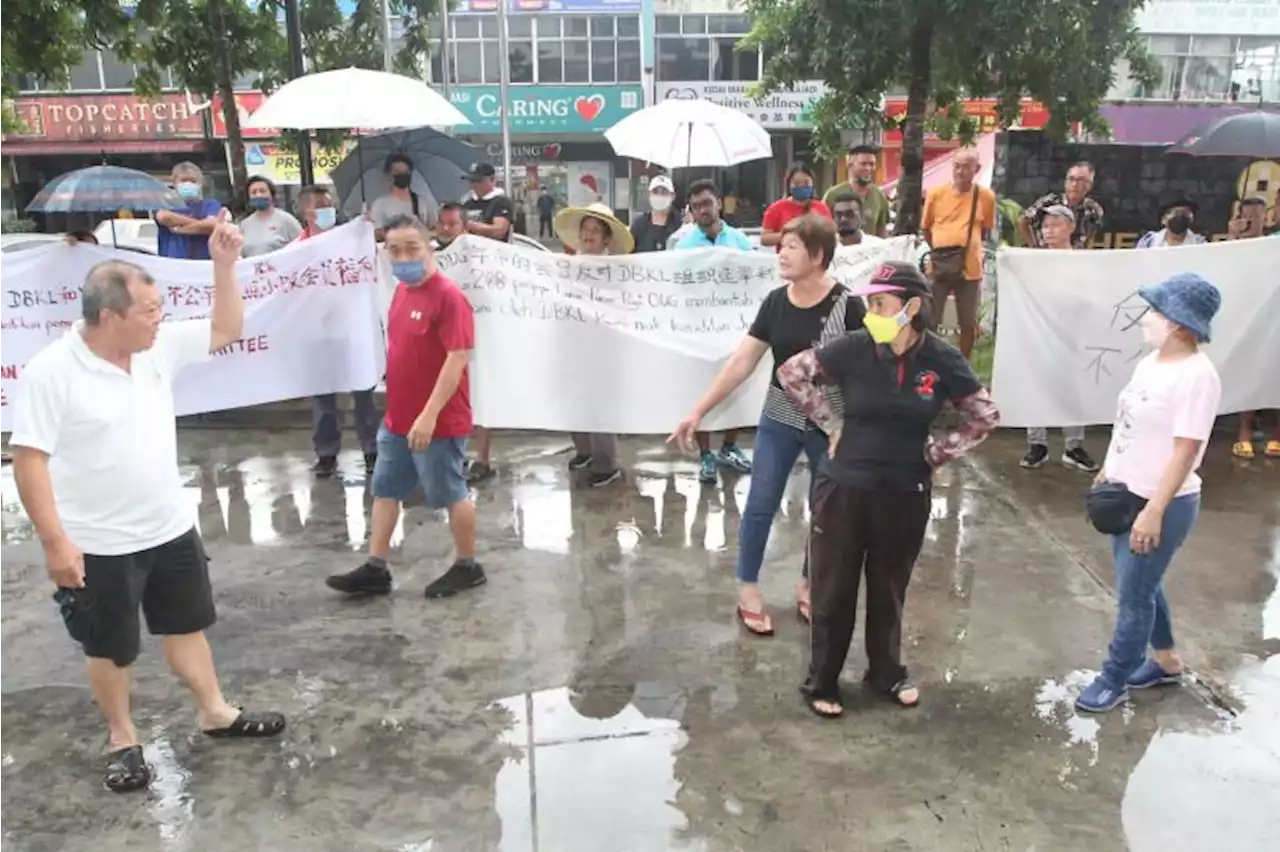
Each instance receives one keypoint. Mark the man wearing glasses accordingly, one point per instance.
(1075, 197)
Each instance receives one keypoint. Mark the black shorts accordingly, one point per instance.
(170, 581)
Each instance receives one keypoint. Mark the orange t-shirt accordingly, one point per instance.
(946, 218)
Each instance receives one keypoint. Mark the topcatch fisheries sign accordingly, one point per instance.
(548, 109)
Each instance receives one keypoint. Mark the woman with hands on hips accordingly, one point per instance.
(1164, 419)
(808, 310)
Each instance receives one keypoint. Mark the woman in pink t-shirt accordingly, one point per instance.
(1163, 422)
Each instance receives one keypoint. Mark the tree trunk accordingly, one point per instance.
(225, 91)
(911, 183)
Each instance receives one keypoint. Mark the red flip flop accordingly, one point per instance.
(756, 623)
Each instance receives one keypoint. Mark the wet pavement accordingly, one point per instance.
(596, 695)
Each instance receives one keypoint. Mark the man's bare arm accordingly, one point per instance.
(227, 315)
(35, 491)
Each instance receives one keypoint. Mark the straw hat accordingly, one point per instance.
(569, 220)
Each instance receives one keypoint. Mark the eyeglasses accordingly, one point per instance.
(1071, 179)
(705, 204)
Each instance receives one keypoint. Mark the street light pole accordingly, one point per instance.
(293, 24)
(386, 35)
(446, 63)
(504, 80)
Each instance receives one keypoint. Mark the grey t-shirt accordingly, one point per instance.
(386, 208)
(263, 234)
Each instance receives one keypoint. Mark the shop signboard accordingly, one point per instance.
(554, 151)
(279, 163)
(106, 118)
(1034, 115)
(246, 104)
(786, 109)
(1209, 17)
(480, 7)
(548, 109)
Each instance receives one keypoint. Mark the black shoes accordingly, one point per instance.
(325, 466)
(372, 580)
(579, 462)
(1036, 456)
(462, 575)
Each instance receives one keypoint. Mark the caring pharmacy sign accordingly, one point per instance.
(781, 110)
(543, 109)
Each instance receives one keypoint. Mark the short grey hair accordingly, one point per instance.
(1062, 211)
(106, 288)
(186, 167)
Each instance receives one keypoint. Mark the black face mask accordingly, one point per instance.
(402, 181)
(1179, 223)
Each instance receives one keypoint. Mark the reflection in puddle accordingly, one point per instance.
(583, 769)
(169, 799)
(1271, 607)
(1054, 705)
(1229, 772)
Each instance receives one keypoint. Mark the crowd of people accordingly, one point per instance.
(859, 379)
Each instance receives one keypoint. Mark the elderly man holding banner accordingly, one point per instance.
(809, 307)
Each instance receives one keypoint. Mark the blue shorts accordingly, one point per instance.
(440, 469)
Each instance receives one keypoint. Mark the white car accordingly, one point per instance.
(22, 242)
(134, 234)
(527, 242)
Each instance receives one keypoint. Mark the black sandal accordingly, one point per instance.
(127, 770)
(812, 702)
(894, 693)
(251, 725)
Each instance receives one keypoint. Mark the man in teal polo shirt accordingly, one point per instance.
(710, 230)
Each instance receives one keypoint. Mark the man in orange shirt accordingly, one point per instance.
(958, 219)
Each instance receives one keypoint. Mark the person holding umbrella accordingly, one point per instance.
(267, 227)
(184, 233)
(399, 199)
(1176, 220)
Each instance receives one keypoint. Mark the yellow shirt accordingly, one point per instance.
(946, 218)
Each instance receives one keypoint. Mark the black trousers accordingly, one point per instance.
(544, 225)
(876, 532)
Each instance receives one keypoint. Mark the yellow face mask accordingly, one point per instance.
(885, 329)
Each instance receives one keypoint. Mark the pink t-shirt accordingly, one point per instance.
(1163, 401)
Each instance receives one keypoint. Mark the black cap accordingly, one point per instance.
(479, 171)
(896, 276)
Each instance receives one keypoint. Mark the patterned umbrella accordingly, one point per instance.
(102, 189)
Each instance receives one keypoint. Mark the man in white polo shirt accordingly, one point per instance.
(95, 459)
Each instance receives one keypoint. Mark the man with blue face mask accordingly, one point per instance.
(423, 439)
(184, 233)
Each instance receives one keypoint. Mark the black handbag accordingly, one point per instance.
(1112, 508)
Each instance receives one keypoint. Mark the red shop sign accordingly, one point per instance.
(1034, 115)
(94, 118)
(246, 104)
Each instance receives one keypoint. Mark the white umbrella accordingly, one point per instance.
(679, 134)
(355, 98)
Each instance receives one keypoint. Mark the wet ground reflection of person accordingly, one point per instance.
(872, 500)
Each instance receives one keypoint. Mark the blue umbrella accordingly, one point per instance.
(102, 189)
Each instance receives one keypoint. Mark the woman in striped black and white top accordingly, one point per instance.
(811, 309)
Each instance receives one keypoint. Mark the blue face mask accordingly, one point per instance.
(259, 203)
(802, 193)
(326, 217)
(409, 271)
(189, 191)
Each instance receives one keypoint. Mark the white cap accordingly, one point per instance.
(662, 182)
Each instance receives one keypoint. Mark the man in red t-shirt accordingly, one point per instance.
(423, 439)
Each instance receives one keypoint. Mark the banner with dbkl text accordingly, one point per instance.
(312, 321)
(620, 344)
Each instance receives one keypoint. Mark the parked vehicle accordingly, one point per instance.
(22, 242)
(135, 234)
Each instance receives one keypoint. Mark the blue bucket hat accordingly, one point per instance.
(1186, 299)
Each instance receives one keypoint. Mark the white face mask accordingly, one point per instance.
(1155, 329)
(659, 203)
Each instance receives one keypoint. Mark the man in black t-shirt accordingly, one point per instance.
(488, 208)
(652, 230)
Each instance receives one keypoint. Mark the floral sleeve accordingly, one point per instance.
(801, 377)
(978, 418)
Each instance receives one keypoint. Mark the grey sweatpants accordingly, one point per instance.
(602, 448)
(1073, 436)
(326, 423)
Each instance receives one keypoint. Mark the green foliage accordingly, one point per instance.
(45, 38)
(14, 225)
(1061, 54)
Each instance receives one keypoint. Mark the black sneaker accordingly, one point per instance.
(460, 577)
(579, 462)
(365, 580)
(1077, 459)
(478, 472)
(1036, 456)
(599, 480)
(370, 460)
(325, 466)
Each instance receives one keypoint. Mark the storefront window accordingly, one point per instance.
(568, 49)
(1207, 68)
(703, 47)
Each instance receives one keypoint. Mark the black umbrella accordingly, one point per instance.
(439, 159)
(1245, 134)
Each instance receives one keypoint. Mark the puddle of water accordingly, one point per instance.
(169, 799)
(577, 778)
(1055, 706)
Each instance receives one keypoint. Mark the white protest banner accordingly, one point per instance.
(1068, 337)
(622, 344)
(311, 317)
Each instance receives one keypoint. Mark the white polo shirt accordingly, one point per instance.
(112, 437)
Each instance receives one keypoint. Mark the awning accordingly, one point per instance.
(938, 171)
(49, 149)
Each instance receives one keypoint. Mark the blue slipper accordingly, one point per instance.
(1150, 674)
(1100, 696)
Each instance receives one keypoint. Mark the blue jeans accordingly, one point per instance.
(1143, 616)
(776, 450)
(440, 469)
